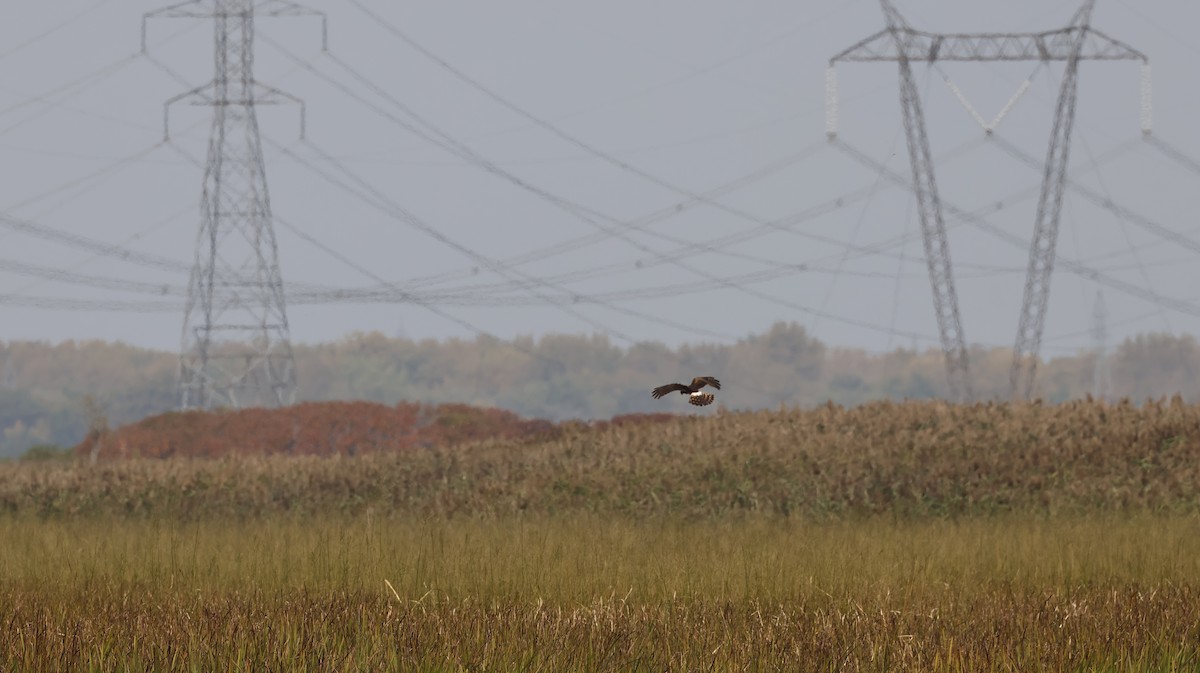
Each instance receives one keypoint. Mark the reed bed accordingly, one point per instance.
(911, 459)
(892, 537)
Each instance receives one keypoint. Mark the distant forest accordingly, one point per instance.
(50, 394)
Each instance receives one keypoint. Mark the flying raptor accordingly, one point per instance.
(692, 390)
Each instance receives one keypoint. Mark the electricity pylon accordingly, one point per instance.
(236, 348)
(901, 44)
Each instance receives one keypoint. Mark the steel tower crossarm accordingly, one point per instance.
(1072, 43)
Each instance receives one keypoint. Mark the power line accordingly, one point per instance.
(1105, 200)
(446, 142)
(491, 167)
(77, 85)
(92, 77)
(94, 256)
(722, 243)
(89, 280)
(1072, 265)
(554, 130)
(53, 29)
(1137, 258)
(45, 100)
(458, 149)
(858, 223)
(908, 212)
(693, 71)
(411, 219)
(90, 244)
(658, 292)
(641, 225)
(102, 305)
(372, 196)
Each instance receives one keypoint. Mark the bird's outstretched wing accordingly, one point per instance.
(701, 399)
(701, 381)
(669, 388)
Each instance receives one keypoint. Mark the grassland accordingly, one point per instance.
(888, 538)
(588, 593)
(880, 459)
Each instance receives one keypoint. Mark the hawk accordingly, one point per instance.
(692, 390)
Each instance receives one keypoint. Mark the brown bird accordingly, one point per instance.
(692, 391)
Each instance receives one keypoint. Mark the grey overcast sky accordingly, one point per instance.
(624, 110)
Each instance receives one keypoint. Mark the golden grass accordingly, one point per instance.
(892, 537)
(575, 559)
(593, 593)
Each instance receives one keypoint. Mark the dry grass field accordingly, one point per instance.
(913, 537)
(912, 459)
(587, 593)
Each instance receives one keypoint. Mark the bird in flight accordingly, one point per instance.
(692, 390)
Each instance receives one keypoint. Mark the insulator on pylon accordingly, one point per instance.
(988, 128)
(1009, 105)
(962, 99)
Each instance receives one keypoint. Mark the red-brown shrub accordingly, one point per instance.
(310, 428)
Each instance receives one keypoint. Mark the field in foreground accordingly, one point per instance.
(591, 594)
(890, 537)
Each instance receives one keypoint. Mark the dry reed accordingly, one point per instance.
(891, 537)
(915, 459)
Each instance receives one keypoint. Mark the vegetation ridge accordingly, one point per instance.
(909, 459)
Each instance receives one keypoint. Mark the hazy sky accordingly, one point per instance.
(625, 111)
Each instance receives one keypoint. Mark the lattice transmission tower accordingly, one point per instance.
(900, 43)
(236, 349)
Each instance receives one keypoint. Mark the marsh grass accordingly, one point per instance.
(598, 593)
(910, 459)
(889, 537)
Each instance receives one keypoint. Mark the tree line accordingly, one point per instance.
(53, 394)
